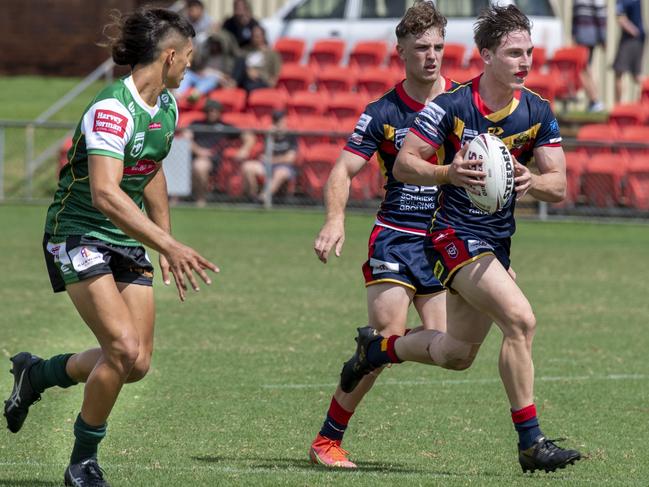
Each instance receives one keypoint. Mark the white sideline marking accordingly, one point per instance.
(445, 382)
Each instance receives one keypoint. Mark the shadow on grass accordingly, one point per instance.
(304, 464)
(28, 483)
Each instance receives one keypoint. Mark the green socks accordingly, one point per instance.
(50, 373)
(87, 439)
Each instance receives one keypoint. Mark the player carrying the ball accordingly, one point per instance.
(469, 249)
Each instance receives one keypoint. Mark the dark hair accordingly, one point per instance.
(140, 34)
(194, 3)
(419, 18)
(496, 22)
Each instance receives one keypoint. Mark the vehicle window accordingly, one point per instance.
(379, 9)
(461, 8)
(541, 8)
(318, 9)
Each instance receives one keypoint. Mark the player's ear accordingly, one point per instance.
(400, 51)
(486, 55)
(169, 56)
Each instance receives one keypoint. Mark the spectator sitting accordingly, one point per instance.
(284, 157)
(241, 23)
(213, 66)
(589, 30)
(210, 137)
(200, 20)
(261, 66)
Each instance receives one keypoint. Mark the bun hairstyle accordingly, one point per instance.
(139, 34)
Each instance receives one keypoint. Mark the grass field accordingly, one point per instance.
(244, 370)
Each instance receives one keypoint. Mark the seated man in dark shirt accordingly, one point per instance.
(283, 161)
(210, 137)
(241, 23)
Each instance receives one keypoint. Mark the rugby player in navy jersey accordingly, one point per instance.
(396, 272)
(469, 249)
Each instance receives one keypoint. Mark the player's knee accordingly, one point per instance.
(450, 353)
(522, 323)
(123, 353)
(140, 368)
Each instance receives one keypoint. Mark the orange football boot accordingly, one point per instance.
(329, 453)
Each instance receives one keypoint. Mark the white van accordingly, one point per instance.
(356, 20)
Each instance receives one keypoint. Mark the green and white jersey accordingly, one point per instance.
(117, 123)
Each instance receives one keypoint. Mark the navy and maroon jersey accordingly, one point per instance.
(381, 128)
(456, 117)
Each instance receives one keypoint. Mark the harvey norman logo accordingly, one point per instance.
(110, 122)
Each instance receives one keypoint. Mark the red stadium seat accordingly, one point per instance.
(186, 118)
(346, 105)
(295, 77)
(336, 79)
(637, 183)
(539, 58)
(189, 104)
(600, 136)
(232, 99)
(320, 126)
(290, 49)
(566, 64)
(368, 54)
(475, 62)
(453, 56)
(316, 166)
(461, 75)
(638, 135)
(264, 101)
(366, 185)
(375, 81)
(542, 84)
(326, 53)
(394, 61)
(602, 179)
(644, 91)
(242, 120)
(575, 164)
(306, 103)
(627, 114)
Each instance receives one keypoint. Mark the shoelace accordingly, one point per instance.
(340, 452)
(94, 470)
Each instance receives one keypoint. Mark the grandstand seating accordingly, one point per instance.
(306, 103)
(543, 84)
(638, 135)
(624, 115)
(264, 101)
(317, 162)
(327, 52)
(566, 65)
(290, 49)
(375, 81)
(336, 79)
(368, 54)
(453, 56)
(601, 136)
(575, 164)
(187, 117)
(232, 99)
(637, 183)
(345, 105)
(295, 77)
(602, 180)
(367, 183)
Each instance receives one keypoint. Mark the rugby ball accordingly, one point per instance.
(492, 154)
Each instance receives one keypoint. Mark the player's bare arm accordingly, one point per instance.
(413, 166)
(550, 184)
(105, 174)
(332, 233)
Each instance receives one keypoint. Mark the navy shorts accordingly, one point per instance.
(80, 257)
(451, 249)
(399, 258)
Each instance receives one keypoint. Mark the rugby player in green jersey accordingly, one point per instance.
(96, 228)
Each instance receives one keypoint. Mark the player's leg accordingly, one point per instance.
(281, 175)
(106, 312)
(387, 305)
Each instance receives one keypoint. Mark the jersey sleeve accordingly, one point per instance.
(434, 122)
(107, 126)
(548, 135)
(367, 136)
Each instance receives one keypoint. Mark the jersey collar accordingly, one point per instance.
(484, 109)
(404, 97)
(130, 84)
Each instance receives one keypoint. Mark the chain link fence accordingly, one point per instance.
(604, 179)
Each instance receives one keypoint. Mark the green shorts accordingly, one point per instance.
(80, 257)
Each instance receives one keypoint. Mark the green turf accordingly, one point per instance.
(244, 370)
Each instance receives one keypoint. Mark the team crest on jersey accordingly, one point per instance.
(451, 250)
(399, 136)
(497, 131)
(138, 144)
(356, 138)
(164, 98)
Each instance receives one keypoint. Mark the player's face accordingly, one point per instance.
(179, 59)
(422, 55)
(512, 60)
